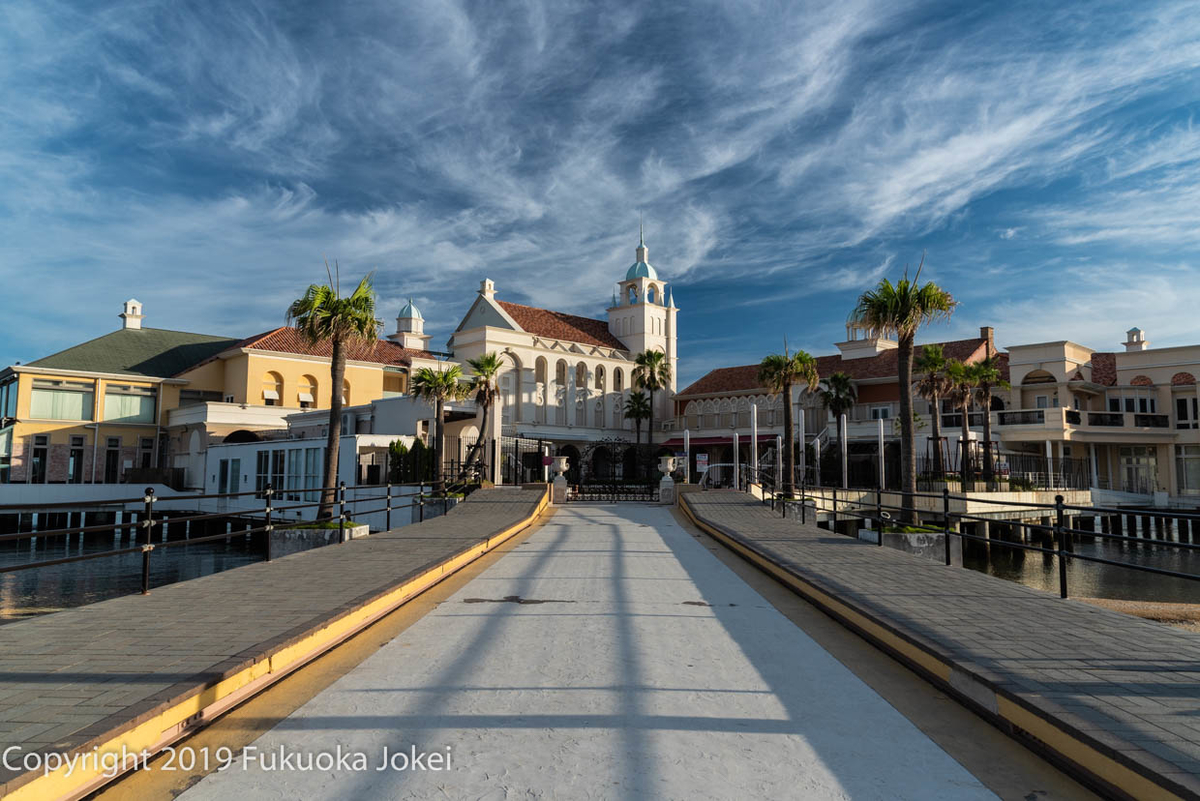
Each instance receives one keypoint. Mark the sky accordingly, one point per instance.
(207, 157)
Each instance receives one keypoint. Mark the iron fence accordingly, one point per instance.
(867, 505)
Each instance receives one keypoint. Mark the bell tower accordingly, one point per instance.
(643, 317)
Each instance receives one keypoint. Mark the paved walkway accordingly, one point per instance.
(73, 678)
(1127, 688)
(609, 656)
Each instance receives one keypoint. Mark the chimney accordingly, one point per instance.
(132, 315)
(487, 288)
(988, 333)
(1135, 339)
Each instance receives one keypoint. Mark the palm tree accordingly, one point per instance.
(779, 373)
(637, 409)
(933, 386)
(651, 372)
(901, 309)
(323, 315)
(483, 383)
(838, 395)
(987, 378)
(963, 379)
(437, 387)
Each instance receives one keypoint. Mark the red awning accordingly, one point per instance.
(677, 442)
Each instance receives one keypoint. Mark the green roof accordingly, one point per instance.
(138, 351)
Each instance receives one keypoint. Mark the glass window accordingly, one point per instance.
(312, 473)
(37, 468)
(262, 471)
(8, 399)
(75, 461)
(1187, 465)
(294, 473)
(881, 412)
(60, 400)
(128, 404)
(278, 458)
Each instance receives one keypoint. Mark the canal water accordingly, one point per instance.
(49, 589)
(1093, 580)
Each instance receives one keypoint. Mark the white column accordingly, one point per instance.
(1049, 459)
(735, 461)
(778, 461)
(753, 436)
(817, 457)
(882, 482)
(800, 431)
(1095, 467)
(845, 450)
(687, 455)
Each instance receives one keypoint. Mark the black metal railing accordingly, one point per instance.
(1110, 419)
(865, 504)
(1152, 421)
(269, 503)
(1026, 417)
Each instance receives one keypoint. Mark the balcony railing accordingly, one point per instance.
(974, 420)
(1110, 419)
(1025, 417)
(1152, 421)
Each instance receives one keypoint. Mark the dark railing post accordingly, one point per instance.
(1061, 533)
(833, 524)
(946, 520)
(341, 512)
(879, 513)
(147, 546)
(268, 491)
(387, 525)
(421, 503)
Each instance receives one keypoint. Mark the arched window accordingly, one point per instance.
(618, 380)
(346, 392)
(560, 393)
(600, 396)
(651, 293)
(308, 392)
(541, 393)
(272, 389)
(632, 295)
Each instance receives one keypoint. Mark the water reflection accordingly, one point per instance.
(49, 589)
(1090, 579)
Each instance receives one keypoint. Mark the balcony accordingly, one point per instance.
(1061, 419)
(1023, 417)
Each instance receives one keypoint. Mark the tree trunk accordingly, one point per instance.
(939, 462)
(987, 438)
(965, 467)
(439, 482)
(650, 428)
(337, 367)
(789, 434)
(637, 448)
(473, 454)
(908, 455)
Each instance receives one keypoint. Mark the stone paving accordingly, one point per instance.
(71, 676)
(1129, 687)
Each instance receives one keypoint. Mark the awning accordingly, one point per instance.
(306, 397)
(270, 394)
(677, 442)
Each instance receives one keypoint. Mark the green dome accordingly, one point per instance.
(410, 310)
(641, 269)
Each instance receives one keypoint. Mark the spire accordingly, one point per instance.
(641, 230)
(614, 300)
(670, 299)
(642, 250)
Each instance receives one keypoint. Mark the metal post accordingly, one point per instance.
(754, 440)
(736, 462)
(879, 511)
(268, 491)
(1061, 534)
(882, 481)
(844, 446)
(800, 432)
(341, 512)
(817, 459)
(833, 523)
(946, 520)
(778, 463)
(421, 503)
(147, 547)
(387, 525)
(804, 499)
(687, 456)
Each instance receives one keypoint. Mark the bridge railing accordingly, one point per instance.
(950, 511)
(332, 511)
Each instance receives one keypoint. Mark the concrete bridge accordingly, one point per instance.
(596, 650)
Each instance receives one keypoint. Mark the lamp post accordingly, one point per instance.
(736, 461)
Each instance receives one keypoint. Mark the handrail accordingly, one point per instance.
(272, 504)
(869, 506)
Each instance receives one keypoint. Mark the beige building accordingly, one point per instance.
(1132, 414)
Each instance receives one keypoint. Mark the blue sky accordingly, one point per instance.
(205, 157)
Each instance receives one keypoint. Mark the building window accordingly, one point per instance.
(129, 404)
(881, 412)
(1187, 467)
(294, 473)
(1133, 399)
(191, 397)
(146, 452)
(229, 399)
(60, 400)
(8, 399)
(312, 473)
(262, 472)
(1042, 402)
(6, 455)
(1139, 468)
(37, 468)
(112, 461)
(272, 389)
(278, 461)
(346, 392)
(1186, 413)
(75, 461)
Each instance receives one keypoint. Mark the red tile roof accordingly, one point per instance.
(1142, 381)
(557, 325)
(884, 365)
(1182, 379)
(287, 339)
(1104, 369)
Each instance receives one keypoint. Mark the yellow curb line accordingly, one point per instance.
(171, 724)
(1064, 745)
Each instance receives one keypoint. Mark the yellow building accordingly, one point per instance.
(152, 399)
